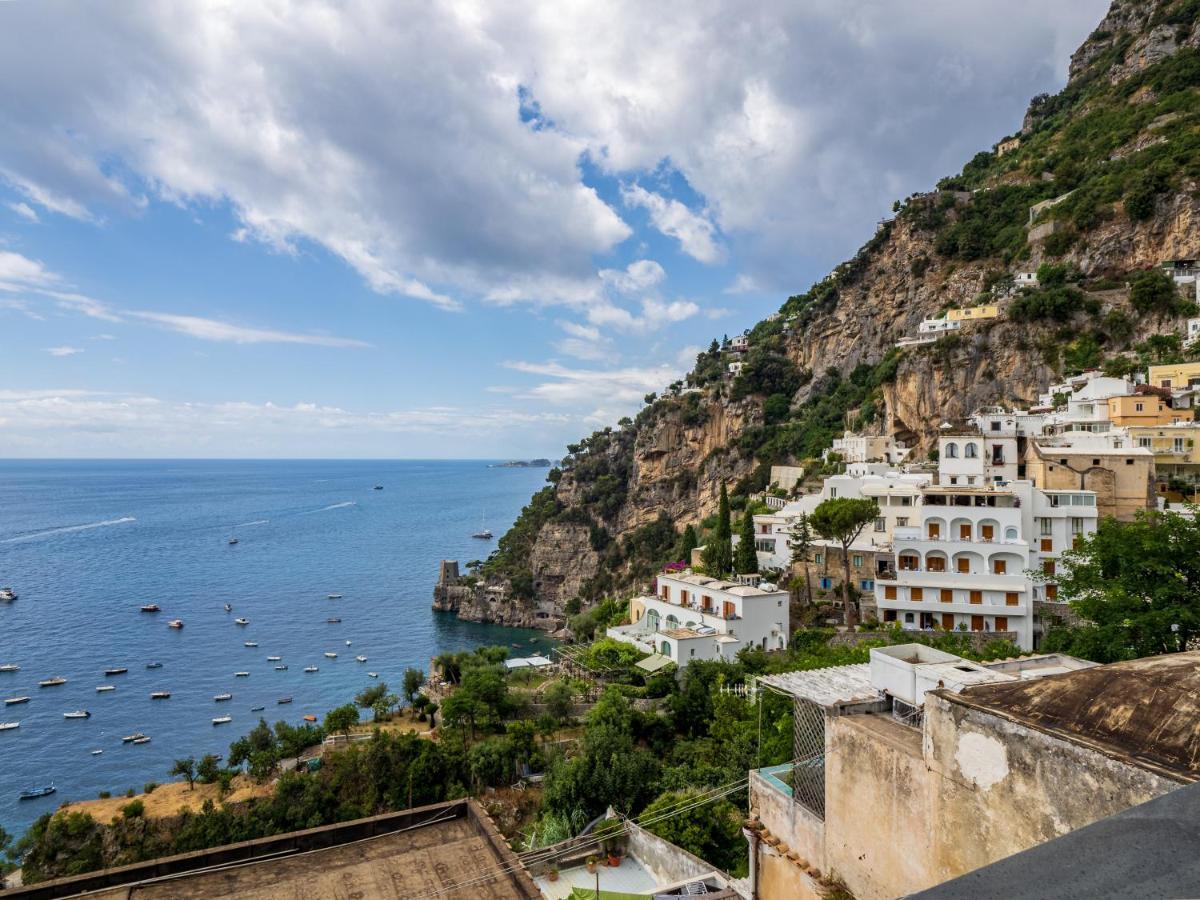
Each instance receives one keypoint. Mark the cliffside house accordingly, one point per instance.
(1121, 478)
(868, 448)
(973, 313)
(1005, 147)
(739, 343)
(693, 616)
(1181, 271)
(920, 766)
(1175, 376)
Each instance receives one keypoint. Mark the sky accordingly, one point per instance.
(385, 229)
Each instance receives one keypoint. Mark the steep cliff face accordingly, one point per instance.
(1118, 153)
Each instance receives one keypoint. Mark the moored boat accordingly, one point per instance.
(141, 740)
(284, 700)
(34, 793)
(329, 654)
(360, 659)
(347, 643)
(257, 708)
(77, 714)
(7, 595)
(129, 739)
(221, 720)
(379, 487)
(232, 541)
(373, 674)
(228, 608)
(151, 607)
(52, 682)
(250, 644)
(153, 665)
(274, 658)
(220, 698)
(175, 623)
(282, 667)
(160, 695)
(241, 674)
(310, 718)
(241, 621)
(121, 670)
(13, 701)
(334, 621)
(9, 726)
(105, 688)
(334, 596)
(311, 669)
(10, 667)
(97, 752)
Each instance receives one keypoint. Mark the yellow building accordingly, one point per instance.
(1176, 450)
(1175, 376)
(1122, 479)
(1143, 409)
(973, 313)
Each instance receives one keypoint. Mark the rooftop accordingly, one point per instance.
(398, 855)
(827, 687)
(715, 584)
(1146, 711)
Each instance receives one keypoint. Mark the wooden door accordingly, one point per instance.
(964, 532)
(963, 565)
(947, 595)
(1002, 623)
(987, 531)
(977, 623)
(948, 621)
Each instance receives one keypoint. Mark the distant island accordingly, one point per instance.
(522, 464)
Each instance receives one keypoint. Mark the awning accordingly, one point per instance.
(654, 662)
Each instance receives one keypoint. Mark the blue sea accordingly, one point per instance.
(86, 543)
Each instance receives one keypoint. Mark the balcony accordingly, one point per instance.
(1014, 581)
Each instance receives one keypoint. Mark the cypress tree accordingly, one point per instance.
(746, 562)
(718, 552)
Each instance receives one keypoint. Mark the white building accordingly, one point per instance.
(735, 368)
(1193, 326)
(695, 617)
(1086, 407)
(740, 343)
(938, 326)
(1025, 280)
(866, 448)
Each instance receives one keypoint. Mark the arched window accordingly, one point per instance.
(652, 618)
(672, 622)
(1010, 533)
(952, 451)
(970, 451)
(666, 649)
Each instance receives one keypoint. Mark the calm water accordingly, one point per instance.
(84, 544)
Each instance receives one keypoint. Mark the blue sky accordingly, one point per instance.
(383, 230)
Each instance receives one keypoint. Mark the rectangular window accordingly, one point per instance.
(832, 492)
(1047, 567)
(947, 595)
(906, 501)
(1002, 623)
(977, 623)
(976, 597)
(1144, 442)
(683, 598)
(1138, 407)
(867, 584)
(935, 564)
(916, 593)
(964, 532)
(889, 592)
(826, 583)
(889, 615)
(987, 532)
(935, 531)
(819, 558)
(1012, 599)
(999, 567)
(1047, 525)
(881, 524)
(1076, 525)
(1052, 592)
(1179, 445)
(856, 560)
(1047, 545)
(963, 566)
(666, 593)
(902, 521)
(948, 621)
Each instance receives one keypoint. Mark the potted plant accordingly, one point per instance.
(552, 873)
(591, 863)
(612, 840)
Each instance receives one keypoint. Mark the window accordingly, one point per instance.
(1011, 599)
(935, 564)
(881, 524)
(995, 426)
(947, 595)
(952, 451)
(908, 618)
(954, 479)
(889, 592)
(964, 531)
(1047, 545)
(819, 558)
(1052, 592)
(1138, 407)
(1047, 527)
(1129, 462)
(916, 594)
(889, 615)
(1047, 567)
(683, 598)
(1095, 462)
(1144, 442)
(856, 560)
(902, 521)
(962, 565)
(976, 597)
(1002, 623)
(1179, 445)
(1010, 533)
(971, 451)
(906, 501)
(999, 567)
(1076, 525)
(867, 584)
(826, 583)
(765, 546)
(832, 492)
(987, 532)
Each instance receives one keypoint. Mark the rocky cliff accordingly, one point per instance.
(1101, 185)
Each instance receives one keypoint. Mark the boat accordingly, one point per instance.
(7, 595)
(160, 695)
(151, 607)
(52, 682)
(241, 674)
(330, 655)
(105, 688)
(282, 667)
(379, 487)
(347, 643)
(118, 671)
(251, 644)
(257, 708)
(241, 621)
(141, 740)
(175, 623)
(13, 701)
(373, 674)
(97, 752)
(222, 720)
(77, 714)
(232, 541)
(131, 738)
(333, 621)
(274, 658)
(153, 665)
(360, 659)
(219, 698)
(484, 535)
(311, 669)
(228, 608)
(284, 700)
(34, 793)
(334, 596)
(310, 718)
(9, 726)
(10, 667)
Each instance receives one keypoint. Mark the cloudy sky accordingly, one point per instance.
(471, 229)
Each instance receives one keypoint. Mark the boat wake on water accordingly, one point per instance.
(67, 529)
(249, 524)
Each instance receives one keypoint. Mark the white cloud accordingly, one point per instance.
(609, 394)
(637, 276)
(63, 350)
(25, 211)
(215, 330)
(743, 284)
(19, 272)
(695, 232)
(655, 314)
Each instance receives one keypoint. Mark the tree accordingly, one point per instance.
(413, 679)
(746, 562)
(208, 769)
(432, 709)
(711, 831)
(1153, 292)
(368, 697)
(718, 552)
(558, 696)
(187, 768)
(341, 719)
(800, 544)
(842, 519)
(687, 543)
(1137, 586)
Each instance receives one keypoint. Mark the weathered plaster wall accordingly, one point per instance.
(879, 822)
(791, 823)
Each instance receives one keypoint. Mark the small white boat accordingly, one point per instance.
(232, 541)
(347, 643)
(251, 644)
(334, 596)
(97, 752)
(13, 701)
(105, 688)
(52, 682)
(175, 623)
(311, 669)
(222, 720)
(274, 658)
(360, 659)
(282, 667)
(330, 655)
(141, 740)
(241, 621)
(129, 739)
(160, 695)
(9, 726)
(241, 674)
(373, 674)
(153, 665)
(7, 595)
(219, 698)
(228, 608)
(77, 714)
(10, 667)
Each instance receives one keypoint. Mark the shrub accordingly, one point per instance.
(134, 809)
(1153, 292)
(149, 787)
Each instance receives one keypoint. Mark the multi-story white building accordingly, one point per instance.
(1086, 407)
(865, 448)
(694, 617)
(966, 563)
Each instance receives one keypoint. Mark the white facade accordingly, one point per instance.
(739, 343)
(1025, 279)
(938, 326)
(695, 617)
(860, 448)
(1193, 326)
(1087, 407)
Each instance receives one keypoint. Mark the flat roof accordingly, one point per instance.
(827, 687)
(1145, 712)
(653, 662)
(419, 852)
(522, 662)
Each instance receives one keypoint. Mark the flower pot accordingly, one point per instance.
(591, 865)
(552, 875)
(614, 860)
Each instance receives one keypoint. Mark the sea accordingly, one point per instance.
(85, 544)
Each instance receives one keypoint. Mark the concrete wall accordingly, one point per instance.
(879, 821)
(667, 862)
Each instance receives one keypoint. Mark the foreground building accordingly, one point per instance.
(694, 617)
(920, 767)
